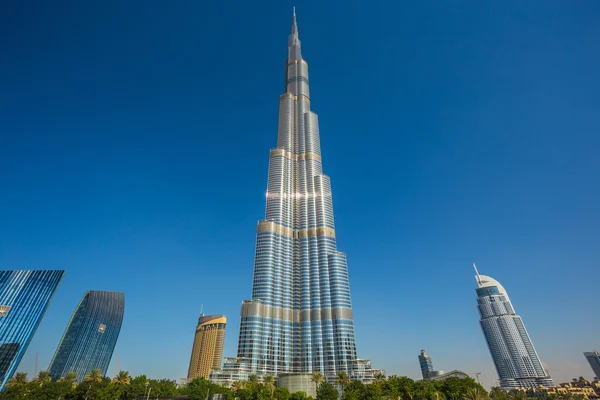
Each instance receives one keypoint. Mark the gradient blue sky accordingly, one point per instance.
(134, 140)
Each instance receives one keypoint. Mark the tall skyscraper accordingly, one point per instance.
(207, 351)
(517, 363)
(300, 317)
(24, 298)
(91, 335)
(593, 357)
(426, 365)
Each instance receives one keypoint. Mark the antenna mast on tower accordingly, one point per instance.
(477, 273)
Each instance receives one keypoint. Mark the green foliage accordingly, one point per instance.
(123, 387)
(282, 393)
(300, 395)
(354, 390)
(476, 393)
(498, 394)
(326, 391)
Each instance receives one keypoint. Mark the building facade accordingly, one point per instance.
(207, 350)
(426, 365)
(24, 299)
(295, 382)
(593, 358)
(299, 319)
(91, 335)
(517, 363)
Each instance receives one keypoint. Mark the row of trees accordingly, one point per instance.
(124, 387)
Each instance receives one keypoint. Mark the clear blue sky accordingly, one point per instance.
(134, 141)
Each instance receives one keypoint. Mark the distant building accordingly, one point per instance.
(517, 363)
(426, 365)
(593, 357)
(24, 298)
(207, 350)
(91, 335)
(580, 388)
(441, 375)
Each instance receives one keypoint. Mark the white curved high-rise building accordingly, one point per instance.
(517, 363)
(300, 317)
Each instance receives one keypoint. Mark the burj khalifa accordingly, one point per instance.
(300, 317)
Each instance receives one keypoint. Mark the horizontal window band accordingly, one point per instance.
(258, 309)
(293, 97)
(270, 226)
(295, 157)
(298, 62)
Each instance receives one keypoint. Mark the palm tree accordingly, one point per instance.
(269, 382)
(94, 376)
(71, 376)
(253, 378)
(317, 378)
(518, 395)
(19, 379)
(475, 394)
(496, 393)
(379, 377)
(238, 385)
(42, 377)
(122, 378)
(342, 380)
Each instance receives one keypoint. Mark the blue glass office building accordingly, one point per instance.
(516, 360)
(91, 335)
(593, 358)
(300, 318)
(426, 365)
(24, 298)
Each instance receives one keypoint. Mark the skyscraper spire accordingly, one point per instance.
(294, 25)
(477, 274)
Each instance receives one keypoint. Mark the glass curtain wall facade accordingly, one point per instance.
(517, 363)
(593, 358)
(24, 299)
(300, 317)
(426, 365)
(207, 350)
(91, 335)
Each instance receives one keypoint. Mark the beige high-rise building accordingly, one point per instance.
(207, 351)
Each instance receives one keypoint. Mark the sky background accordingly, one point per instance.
(134, 145)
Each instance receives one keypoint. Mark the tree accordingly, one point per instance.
(19, 379)
(269, 382)
(475, 394)
(355, 390)
(518, 395)
(42, 378)
(238, 385)
(122, 378)
(70, 377)
(342, 380)
(317, 378)
(262, 392)
(455, 388)
(379, 377)
(95, 376)
(299, 395)
(398, 387)
(282, 393)
(498, 394)
(326, 391)
(253, 378)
